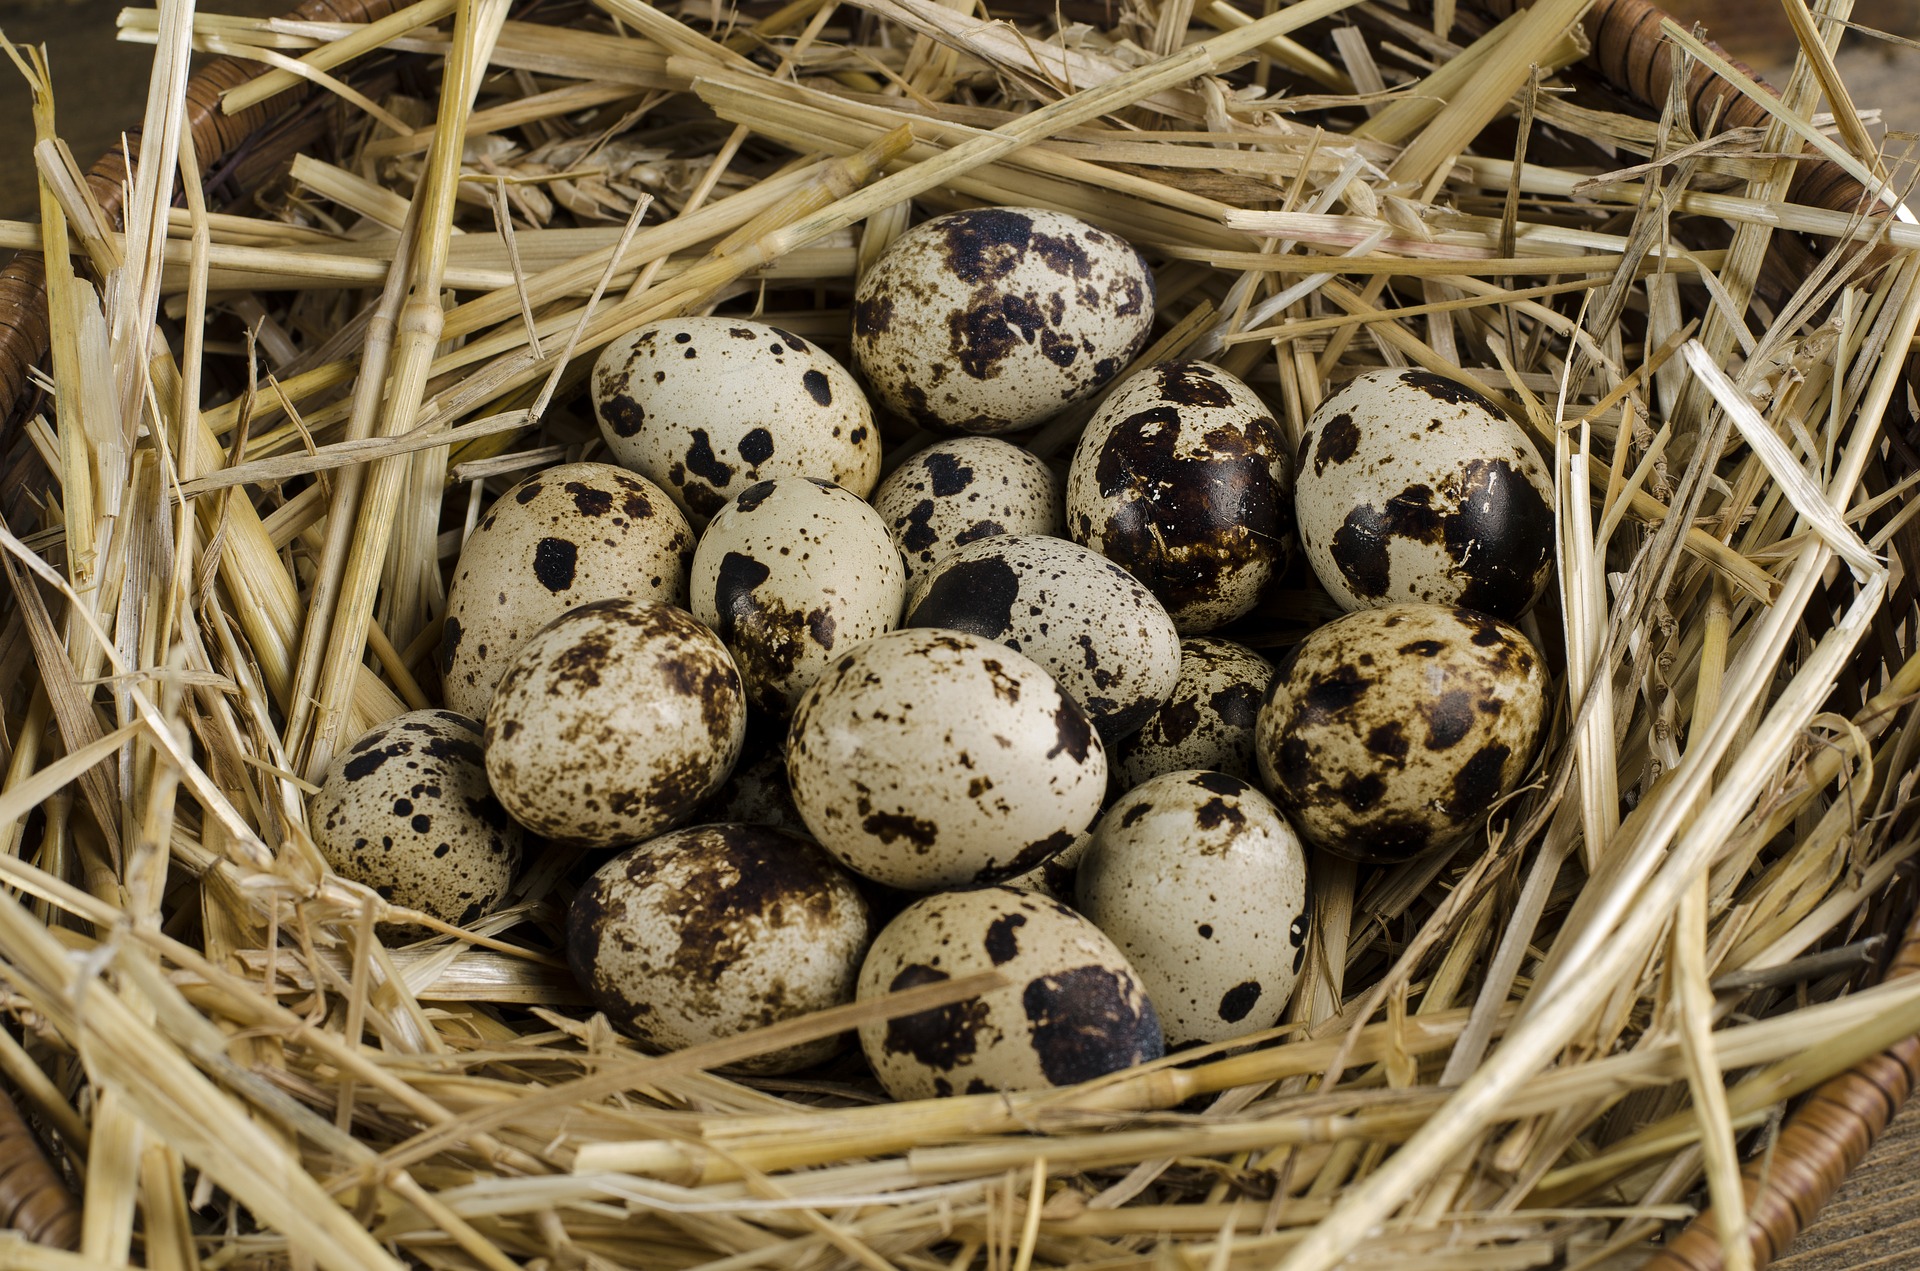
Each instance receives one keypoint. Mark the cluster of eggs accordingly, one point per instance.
(783, 696)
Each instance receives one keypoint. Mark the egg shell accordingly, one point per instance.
(1206, 722)
(717, 929)
(1414, 487)
(1073, 1009)
(789, 572)
(566, 536)
(406, 810)
(615, 722)
(1100, 634)
(707, 406)
(756, 792)
(967, 488)
(1054, 876)
(926, 759)
(987, 320)
(1203, 885)
(1393, 731)
(1183, 479)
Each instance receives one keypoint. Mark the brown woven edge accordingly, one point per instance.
(1821, 1143)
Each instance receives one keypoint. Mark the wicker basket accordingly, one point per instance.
(1829, 1131)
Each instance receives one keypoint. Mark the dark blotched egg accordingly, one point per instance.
(717, 929)
(1413, 487)
(1073, 1009)
(1392, 731)
(1182, 478)
(1206, 722)
(991, 319)
(955, 492)
(614, 722)
(927, 759)
(406, 810)
(708, 406)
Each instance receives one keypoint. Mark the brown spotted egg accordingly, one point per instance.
(1203, 885)
(407, 811)
(1100, 634)
(1072, 1009)
(568, 535)
(717, 929)
(614, 722)
(1182, 478)
(1393, 731)
(708, 406)
(927, 759)
(957, 491)
(789, 573)
(1414, 487)
(1207, 722)
(991, 319)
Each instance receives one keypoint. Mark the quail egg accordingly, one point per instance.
(614, 722)
(789, 572)
(1413, 487)
(927, 759)
(987, 320)
(717, 929)
(708, 406)
(406, 810)
(1203, 885)
(1072, 1010)
(1207, 721)
(568, 535)
(1182, 478)
(1097, 631)
(968, 488)
(756, 792)
(1392, 731)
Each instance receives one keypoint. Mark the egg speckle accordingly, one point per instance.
(1096, 630)
(1203, 885)
(406, 810)
(927, 759)
(614, 722)
(1413, 487)
(1208, 719)
(571, 534)
(1073, 1009)
(1182, 478)
(708, 406)
(1393, 731)
(714, 930)
(789, 573)
(956, 492)
(991, 319)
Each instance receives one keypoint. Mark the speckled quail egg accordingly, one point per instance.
(1182, 478)
(1100, 634)
(614, 722)
(1072, 1010)
(1054, 876)
(991, 319)
(708, 406)
(1207, 722)
(717, 929)
(1413, 487)
(927, 759)
(968, 488)
(1392, 731)
(568, 535)
(406, 810)
(789, 572)
(756, 792)
(1203, 885)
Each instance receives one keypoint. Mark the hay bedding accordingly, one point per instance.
(271, 413)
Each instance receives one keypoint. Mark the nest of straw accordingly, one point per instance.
(285, 377)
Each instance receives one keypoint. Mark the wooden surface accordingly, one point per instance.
(1873, 1224)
